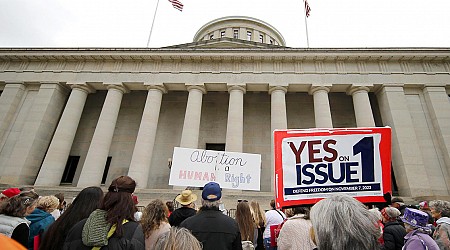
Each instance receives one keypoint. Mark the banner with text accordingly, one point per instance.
(312, 164)
(196, 167)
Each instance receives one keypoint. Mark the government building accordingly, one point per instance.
(83, 116)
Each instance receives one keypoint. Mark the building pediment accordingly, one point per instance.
(225, 42)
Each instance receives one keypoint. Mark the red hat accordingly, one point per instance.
(10, 192)
(135, 199)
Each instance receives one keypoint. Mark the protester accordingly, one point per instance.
(273, 217)
(177, 238)
(8, 193)
(41, 218)
(112, 226)
(210, 226)
(295, 231)
(169, 205)
(417, 236)
(440, 210)
(247, 226)
(186, 198)
(340, 222)
(57, 212)
(154, 222)
(12, 216)
(82, 206)
(260, 220)
(398, 203)
(377, 213)
(394, 232)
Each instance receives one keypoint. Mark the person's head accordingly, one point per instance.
(20, 205)
(8, 193)
(48, 203)
(424, 206)
(85, 202)
(341, 222)
(245, 220)
(154, 214)
(60, 197)
(177, 238)
(258, 214)
(211, 195)
(170, 206)
(186, 198)
(301, 210)
(397, 202)
(118, 202)
(439, 208)
(272, 204)
(390, 214)
(415, 219)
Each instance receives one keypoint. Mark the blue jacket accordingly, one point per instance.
(40, 220)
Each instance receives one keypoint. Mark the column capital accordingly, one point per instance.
(119, 86)
(275, 88)
(314, 89)
(82, 86)
(354, 89)
(159, 87)
(236, 87)
(198, 87)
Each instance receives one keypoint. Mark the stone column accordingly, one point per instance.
(191, 126)
(92, 172)
(438, 105)
(235, 123)
(143, 149)
(361, 104)
(55, 160)
(322, 112)
(278, 120)
(9, 102)
(406, 155)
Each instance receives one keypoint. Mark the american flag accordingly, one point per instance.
(307, 8)
(177, 4)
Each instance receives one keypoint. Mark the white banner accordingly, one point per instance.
(196, 167)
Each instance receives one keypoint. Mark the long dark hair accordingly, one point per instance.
(245, 221)
(86, 201)
(118, 202)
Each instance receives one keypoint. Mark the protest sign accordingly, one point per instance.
(312, 164)
(196, 167)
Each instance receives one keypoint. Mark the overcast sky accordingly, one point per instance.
(126, 23)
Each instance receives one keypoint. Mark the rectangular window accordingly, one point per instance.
(69, 170)
(105, 172)
(236, 34)
(249, 35)
(222, 34)
(215, 146)
(211, 37)
(271, 42)
(261, 38)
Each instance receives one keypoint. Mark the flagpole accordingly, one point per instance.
(306, 24)
(153, 22)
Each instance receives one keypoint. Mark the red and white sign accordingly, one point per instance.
(312, 164)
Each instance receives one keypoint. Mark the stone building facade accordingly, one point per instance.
(83, 116)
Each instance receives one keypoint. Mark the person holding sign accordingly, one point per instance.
(340, 222)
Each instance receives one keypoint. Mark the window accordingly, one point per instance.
(215, 146)
(105, 172)
(222, 34)
(69, 170)
(261, 38)
(236, 34)
(211, 37)
(249, 35)
(271, 42)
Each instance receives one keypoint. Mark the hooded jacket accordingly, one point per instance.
(93, 231)
(180, 214)
(393, 236)
(40, 221)
(441, 234)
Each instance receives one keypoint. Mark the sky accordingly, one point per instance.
(126, 23)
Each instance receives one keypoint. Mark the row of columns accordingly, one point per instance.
(91, 173)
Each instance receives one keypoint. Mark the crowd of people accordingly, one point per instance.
(111, 220)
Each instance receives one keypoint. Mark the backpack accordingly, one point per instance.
(247, 245)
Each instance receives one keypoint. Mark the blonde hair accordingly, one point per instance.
(258, 216)
(177, 238)
(48, 203)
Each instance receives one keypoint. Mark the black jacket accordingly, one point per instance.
(214, 230)
(180, 214)
(393, 235)
(132, 239)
